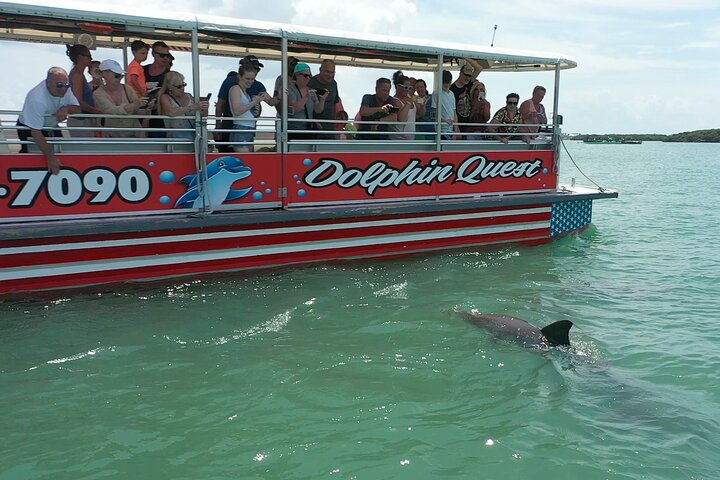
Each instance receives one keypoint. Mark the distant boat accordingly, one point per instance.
(632, 142)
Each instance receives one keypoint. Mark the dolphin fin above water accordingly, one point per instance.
(558, 333)
(519, 330)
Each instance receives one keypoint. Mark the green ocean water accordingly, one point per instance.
(362, 371)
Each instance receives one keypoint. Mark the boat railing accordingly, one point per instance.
(162, 139)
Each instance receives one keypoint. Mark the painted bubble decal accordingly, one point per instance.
(167, 176)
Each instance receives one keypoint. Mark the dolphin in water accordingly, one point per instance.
(520, 331)
(221, 174)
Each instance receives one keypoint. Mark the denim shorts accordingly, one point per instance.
(242, 134)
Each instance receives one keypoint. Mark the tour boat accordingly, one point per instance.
(147, 209)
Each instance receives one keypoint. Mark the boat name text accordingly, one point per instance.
(379, 174)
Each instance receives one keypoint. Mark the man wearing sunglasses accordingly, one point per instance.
(461, 88)
(154, 77)
(48, 103)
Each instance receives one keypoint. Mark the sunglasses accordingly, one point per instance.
(119, 75)
(62, 85)
(162, 55)
(306, 75)
(182, 85)
(406, 87)
(512, 103)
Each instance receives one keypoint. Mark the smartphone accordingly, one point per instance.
(394, 109)
(320, 91)
(208, 96)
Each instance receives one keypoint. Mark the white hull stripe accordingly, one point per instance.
(269, 231)
(202, 256)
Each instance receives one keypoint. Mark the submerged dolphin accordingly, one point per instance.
(519, 330)
(221, 174)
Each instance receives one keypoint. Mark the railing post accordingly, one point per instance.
(556, 123)
(437, 103)
(201, 131)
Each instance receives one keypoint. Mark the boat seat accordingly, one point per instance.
(3, 146)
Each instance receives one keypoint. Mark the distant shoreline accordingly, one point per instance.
(696, 136)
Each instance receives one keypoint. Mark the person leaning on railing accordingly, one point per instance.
(115, 98)
(48, 103)
(508, 117)
(174, 101)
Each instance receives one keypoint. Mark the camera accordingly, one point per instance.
(320, 91)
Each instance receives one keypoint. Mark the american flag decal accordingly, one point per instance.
(569, 216)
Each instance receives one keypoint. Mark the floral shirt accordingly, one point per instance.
(503, 116)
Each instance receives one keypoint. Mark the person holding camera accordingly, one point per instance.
(377, 107)
(323, 82)
(304, 104)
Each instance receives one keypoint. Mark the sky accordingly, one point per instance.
(644, 66)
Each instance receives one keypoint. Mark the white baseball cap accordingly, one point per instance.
(111, 65)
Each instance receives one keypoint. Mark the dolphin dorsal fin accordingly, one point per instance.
(557, 333)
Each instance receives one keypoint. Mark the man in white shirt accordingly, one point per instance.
(52, 96)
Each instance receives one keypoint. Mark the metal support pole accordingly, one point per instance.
(556, 122)
(438, 102)
(201, 132)
(282, 134)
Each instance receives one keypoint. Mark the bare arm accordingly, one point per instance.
(105, 104)
(298, 104)
(167, 108)
(476, 66)
(78, 80)
(320, 105)
(53, 162)
(402, 114)
(234, 96)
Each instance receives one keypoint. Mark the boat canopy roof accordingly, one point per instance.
(229, 37)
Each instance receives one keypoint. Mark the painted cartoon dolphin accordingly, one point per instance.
(520, 331)
(222, 173)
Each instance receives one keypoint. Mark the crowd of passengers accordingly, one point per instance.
(315, 109)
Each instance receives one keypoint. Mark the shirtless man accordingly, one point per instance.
(50, 97)
(533, 112)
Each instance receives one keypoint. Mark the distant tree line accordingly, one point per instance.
(697, 136)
